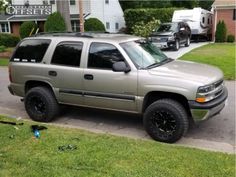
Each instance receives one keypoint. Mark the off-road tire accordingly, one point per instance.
(175, 115)
(41, 104)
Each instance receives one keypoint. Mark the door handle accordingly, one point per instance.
(88, 76)
(52, 73)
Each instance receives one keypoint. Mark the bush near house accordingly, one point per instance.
(134, 16)
(221, 32)
(93, 24)
(144, 30)
(230, 38)
(2, 48)
(8, 40)
(55, 23)
(27, 28)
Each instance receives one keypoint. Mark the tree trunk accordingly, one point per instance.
(64, 8)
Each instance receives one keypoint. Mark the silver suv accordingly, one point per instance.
(115, 72)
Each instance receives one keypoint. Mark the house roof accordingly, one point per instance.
(13, 18)
(224, 3)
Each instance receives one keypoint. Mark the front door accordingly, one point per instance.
(105, 88)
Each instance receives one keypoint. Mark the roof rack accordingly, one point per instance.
(70, 34)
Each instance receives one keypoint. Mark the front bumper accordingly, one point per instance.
(162, 45)
(203, 111)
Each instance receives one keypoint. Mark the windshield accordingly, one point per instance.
(143, 53)
(167, 27)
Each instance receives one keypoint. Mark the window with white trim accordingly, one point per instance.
(117, 26)
(106, 1)
(4, 28)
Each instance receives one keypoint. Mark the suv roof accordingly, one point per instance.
(87, 35)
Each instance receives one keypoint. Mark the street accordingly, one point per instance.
(217, 133)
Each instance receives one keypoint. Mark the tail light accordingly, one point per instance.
(9, 72)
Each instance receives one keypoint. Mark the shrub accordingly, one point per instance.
(134, 16)
(2, 48)
(26, 28)
(55, 23)
(144, 30)
(230, 38)
(8, 40)
(93, 24)
(221, 32)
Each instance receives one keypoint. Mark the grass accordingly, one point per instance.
(4, 61)
(101, 155)
(219, 55)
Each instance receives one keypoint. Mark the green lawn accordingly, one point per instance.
(101, 155)
(4, 61)
(220, 55)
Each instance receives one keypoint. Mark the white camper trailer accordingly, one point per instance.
(199, 20)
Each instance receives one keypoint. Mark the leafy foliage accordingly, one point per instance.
(26, 28)
(134, 16)
(221, 32)
(94, 24)
(144, 30)
(8, 40)
(2, 48)
(230, 38)
(55, 23)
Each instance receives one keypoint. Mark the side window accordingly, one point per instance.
(67, 54)
(234, 14)
(103, 56)
(32, 50)
(203, 19)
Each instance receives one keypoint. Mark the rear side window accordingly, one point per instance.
(67, 54)
(32, 50)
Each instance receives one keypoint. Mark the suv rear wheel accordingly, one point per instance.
(166, 120)
(40, 104)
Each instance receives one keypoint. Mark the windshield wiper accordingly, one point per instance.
(167, 60)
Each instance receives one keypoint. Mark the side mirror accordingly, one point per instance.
(182, 29)
(120, 67)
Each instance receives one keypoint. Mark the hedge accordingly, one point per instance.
(230, 38)
(133, 16)
(93, 24)
(26, 28)
(221, 32)
(8, 40)
(55, 23)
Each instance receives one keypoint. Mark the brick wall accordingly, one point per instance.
(227, 16)
(15, 27)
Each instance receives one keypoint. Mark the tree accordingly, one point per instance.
(186, 4)
(64, 9)
(55, 22)
(221, 32)
(205, 4)
(27, 28)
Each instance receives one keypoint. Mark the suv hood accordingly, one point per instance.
(162, 34)
(185, 70)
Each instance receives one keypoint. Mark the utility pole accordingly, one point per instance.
(81, 16)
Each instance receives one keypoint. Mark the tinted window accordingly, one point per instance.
(203, 19)
(234, 14)
(32, 50)
(103, 56)
(67, 54)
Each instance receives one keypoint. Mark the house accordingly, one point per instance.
(224, 10)
(107, 11)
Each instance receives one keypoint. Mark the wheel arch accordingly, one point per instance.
(153, 96)
(35, 83)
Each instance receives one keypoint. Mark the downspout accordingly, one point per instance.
(215, 16)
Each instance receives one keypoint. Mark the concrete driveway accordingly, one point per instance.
(183, 50)
(217, 134)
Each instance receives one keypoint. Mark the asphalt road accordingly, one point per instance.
(217, 133)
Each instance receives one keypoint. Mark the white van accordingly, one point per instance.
(199, 20)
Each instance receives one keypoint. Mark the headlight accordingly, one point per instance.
(209, 92)
(171, 38)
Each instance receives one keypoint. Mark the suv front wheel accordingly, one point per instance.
(40, 104)
(166, 120)
(177, 45)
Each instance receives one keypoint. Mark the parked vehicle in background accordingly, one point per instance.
(115, 72)
(199, 20)
(171, 35)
